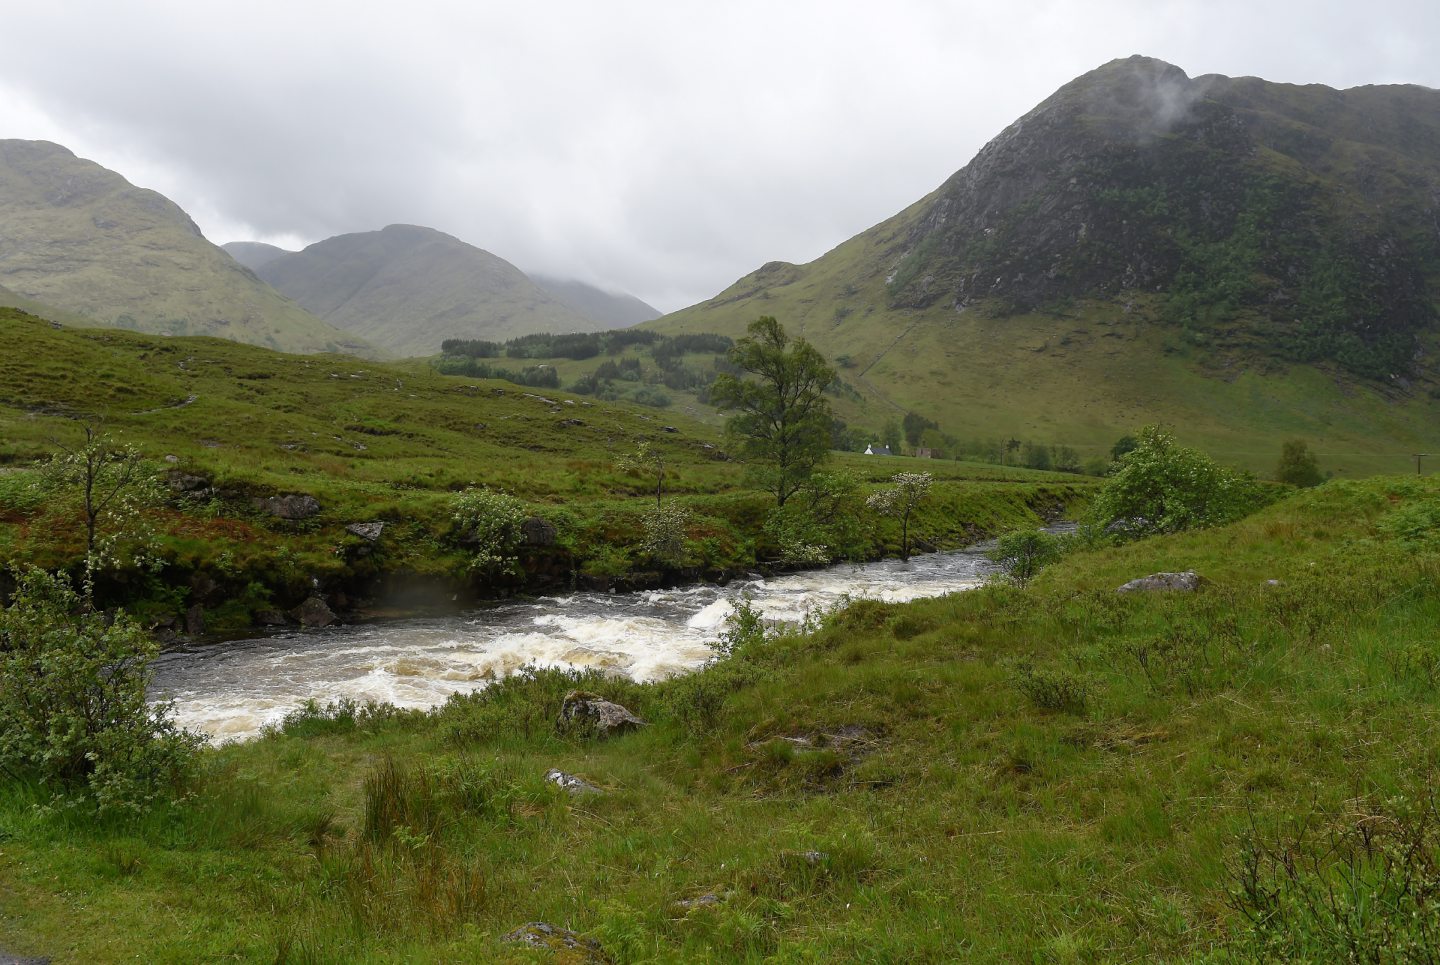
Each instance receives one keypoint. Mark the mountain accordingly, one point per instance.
(82, 239)
(254, 254)
(1239, 257)
(613, 309)
(407, 288)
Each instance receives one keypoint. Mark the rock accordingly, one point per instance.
(184, 482)
(541, 934)
(172, 460)
(369, 532)
(195, 621)
(314, 612)
(812, 859)
(707, 900)
(1273, 583)
(1186, 582)
(577, 786)
(593, 714)
(668, 429)
(538, 532)
(290, 506)
(1127, 526)
(571, 422)
(270, 618)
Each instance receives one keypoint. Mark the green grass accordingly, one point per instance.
(392, 443)
(961, 812)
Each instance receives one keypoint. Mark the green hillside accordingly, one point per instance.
(1244, 260)
(407, 289)
(84, 240)
(233, 425)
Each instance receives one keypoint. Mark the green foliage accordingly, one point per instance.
(490, 525)
(1163, 487)
(1051, 688)
(1363, 888)
(1298, 466)
(1022, 553)
(821, 522)
(73, 709)
(781, 419)
(664, 533)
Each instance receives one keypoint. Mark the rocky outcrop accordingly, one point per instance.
(292, 506)
(538, 532)
(315, 612)
(542, 934)
(1187, 582)
(593, 715)
(369, 532)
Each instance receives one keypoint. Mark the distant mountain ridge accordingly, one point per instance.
(615, 309)
(82, 239)
(407, 288)
(254, 254)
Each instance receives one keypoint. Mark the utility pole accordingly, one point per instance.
(1418, 456)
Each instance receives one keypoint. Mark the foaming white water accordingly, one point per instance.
(231, 691)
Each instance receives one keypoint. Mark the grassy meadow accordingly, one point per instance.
(1053, 772)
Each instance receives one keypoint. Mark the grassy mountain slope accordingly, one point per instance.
(84, 240)
(1246, 260)
(254, 254)
(614, 310)
(1057, 773)
(407, 289)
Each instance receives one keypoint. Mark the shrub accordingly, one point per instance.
(73, 707)
(1022, 553)
(1051, 688)
(1162, 487)
(491, 524)
(664, 533)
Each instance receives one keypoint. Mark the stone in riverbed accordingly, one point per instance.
(592, 714)
(1186, 582)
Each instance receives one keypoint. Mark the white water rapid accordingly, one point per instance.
(231, 690)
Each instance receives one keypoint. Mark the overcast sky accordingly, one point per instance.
(662, 148)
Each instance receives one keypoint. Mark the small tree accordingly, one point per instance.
(74, 712)
(900, 502)
(111, 485)
(491, 524)
(821, 522)
(1297, 465)
(649, 461)
(1022, 553)
(1163, 487)
(781, 418)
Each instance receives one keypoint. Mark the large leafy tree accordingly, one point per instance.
(781, 420)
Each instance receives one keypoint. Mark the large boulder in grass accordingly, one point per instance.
(1186, 582)
(587, 713)
(293, 506)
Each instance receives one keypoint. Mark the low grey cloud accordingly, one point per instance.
(659, 148)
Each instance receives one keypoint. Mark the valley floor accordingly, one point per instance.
(1049, 773)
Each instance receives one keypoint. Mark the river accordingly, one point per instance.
(231, 690)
